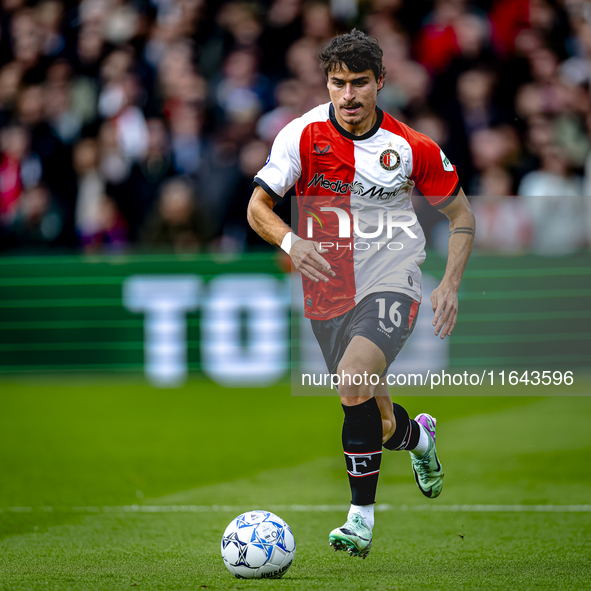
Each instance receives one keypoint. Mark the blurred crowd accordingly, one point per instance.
(140, 124)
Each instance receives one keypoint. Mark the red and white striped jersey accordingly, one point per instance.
(354, 196)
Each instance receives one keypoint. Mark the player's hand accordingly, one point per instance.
(306, 258)
(444, 300)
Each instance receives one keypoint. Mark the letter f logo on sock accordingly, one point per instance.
(363, 464)
(356, 463)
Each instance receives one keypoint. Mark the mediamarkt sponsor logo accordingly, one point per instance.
(382, 195)
(356, 188)
(335, 186)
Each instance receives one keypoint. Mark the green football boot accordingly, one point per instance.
(354, 537)
(427, 468)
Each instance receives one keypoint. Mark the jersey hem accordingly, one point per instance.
(378, 289)
(330, 315)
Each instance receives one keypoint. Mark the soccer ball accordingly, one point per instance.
(258, 545)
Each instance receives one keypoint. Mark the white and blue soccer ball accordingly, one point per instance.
(258, 545)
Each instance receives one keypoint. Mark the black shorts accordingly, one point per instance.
(386, 318)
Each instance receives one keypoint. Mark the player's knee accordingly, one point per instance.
(354, 383)
(353, 400)
(350, 392)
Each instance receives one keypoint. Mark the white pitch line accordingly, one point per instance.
(308, 508)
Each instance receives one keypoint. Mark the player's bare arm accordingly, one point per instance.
(444, 298)
(306, 255)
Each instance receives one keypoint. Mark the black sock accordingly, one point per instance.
(362, 443)
(407, 432)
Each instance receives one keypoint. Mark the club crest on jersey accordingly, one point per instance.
(389, 159)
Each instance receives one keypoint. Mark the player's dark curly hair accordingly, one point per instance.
(357, 51)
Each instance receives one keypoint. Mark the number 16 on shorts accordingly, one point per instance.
(393, 313)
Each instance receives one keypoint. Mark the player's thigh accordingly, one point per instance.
(359, 371)
(362, 357)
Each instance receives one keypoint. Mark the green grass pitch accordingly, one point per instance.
(68, 446)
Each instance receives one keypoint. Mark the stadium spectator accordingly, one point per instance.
(64, 122)
(317, 22)
(283, 28)
(27, 45)
(491, 148)
(115, 167)
(177, 223)
(504, 221)
(288, 100)
(20, 168)
(237, 234)
(242, 91)
(473, 110)
(554, 197)
(110, 231)
(10, 79)
(139, 193)
(90, 188)
(38, 222)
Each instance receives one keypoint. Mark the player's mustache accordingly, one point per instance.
(354, 106)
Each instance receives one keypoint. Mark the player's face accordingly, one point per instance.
(354, 96)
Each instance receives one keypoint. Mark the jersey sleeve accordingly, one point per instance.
(283, 167)
(432, 172)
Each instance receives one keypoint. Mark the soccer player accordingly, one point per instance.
(355, 166)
